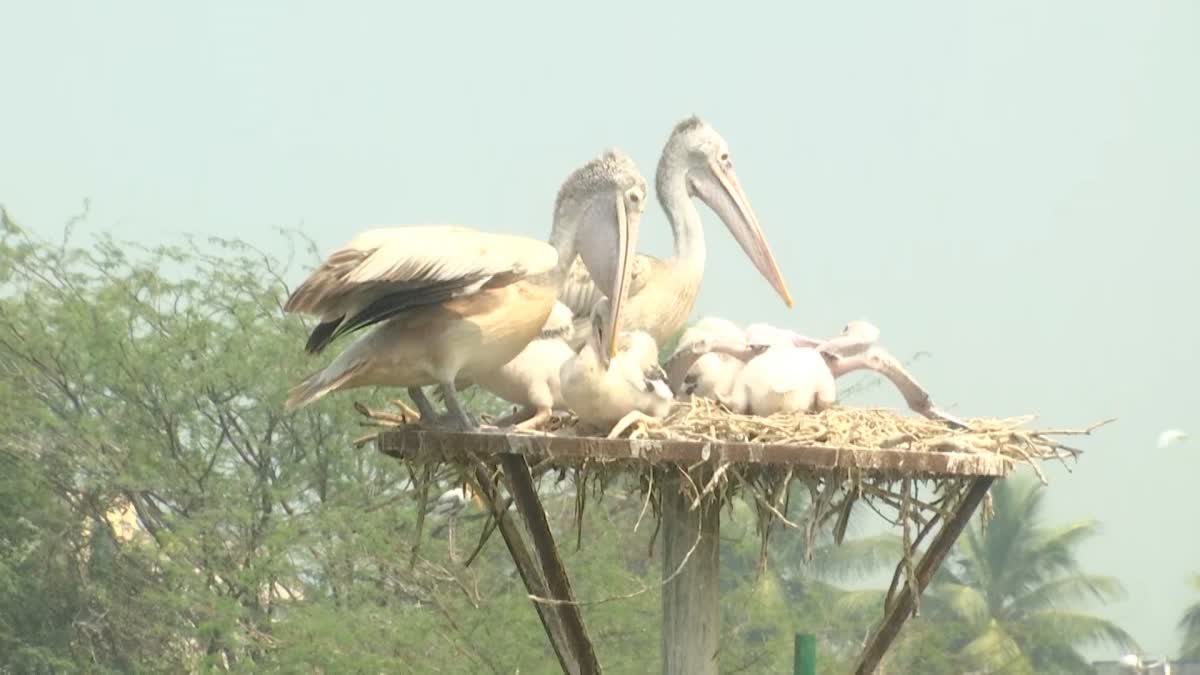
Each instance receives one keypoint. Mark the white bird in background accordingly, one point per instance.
(1171, 436)
(449, 507)
(451, 503)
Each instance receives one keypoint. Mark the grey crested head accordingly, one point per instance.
(611, 170)
(692, 141)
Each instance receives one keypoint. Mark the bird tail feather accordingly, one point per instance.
(316, 386)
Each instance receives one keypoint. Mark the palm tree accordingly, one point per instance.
(1190, 623)
(764, 606)
(1014, 584)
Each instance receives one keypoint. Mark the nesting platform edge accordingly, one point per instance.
(458, 447)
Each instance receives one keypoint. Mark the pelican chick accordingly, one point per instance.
(704, 373)
(531, 379)
(788, 372)
(782, 378)
(615, 390)
(455, 302)
(759, 371)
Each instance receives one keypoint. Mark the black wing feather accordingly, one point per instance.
(386, 307)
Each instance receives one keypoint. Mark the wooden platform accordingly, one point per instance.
(691, 617)
(556, 451)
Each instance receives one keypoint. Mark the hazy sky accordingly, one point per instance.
(1013, 186)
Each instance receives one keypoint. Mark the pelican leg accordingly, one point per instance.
(456, 409)
(424, 408)
(535, 421)
(631, 418)
(512, 417)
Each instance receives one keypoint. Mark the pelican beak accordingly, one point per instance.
(720, 188)
(602, 350)
(627, 231)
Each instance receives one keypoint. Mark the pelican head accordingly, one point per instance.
(768, 335)
(710, 176)
(861, 330)
(599, 208)
(856, 337)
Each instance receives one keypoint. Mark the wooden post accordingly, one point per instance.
(691, 602)
(558, 584)
(902, 607)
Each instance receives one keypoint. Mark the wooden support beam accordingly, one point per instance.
(691, 602)
(902, 607)
(529, 573)
(558, 585)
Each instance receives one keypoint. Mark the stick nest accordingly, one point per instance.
(852, 428)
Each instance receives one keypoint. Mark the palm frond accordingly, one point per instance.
(855, 558)
(1064, 591)
(995, 651)
(1076, 629)
(965, 603)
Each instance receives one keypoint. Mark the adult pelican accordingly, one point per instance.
(695, 162)
(454, 301)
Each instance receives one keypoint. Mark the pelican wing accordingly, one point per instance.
(559, 324)
(383, 272)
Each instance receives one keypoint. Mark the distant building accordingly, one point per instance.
(1190, 667)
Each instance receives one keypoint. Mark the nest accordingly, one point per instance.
(852, 429)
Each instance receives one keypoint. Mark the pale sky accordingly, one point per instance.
(1013, 186)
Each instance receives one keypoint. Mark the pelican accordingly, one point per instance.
(454, 301)
(695, 162)
(788, 372)
(713, 353)
(531, 379)
(782, 378)
(615, 391)
(707, 373)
